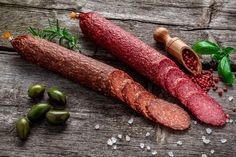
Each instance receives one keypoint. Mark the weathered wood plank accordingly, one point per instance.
(189, 20)
(197, 14)
(32, 17)
(87, 109)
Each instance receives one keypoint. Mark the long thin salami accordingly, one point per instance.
(100, 77)
(148, 62)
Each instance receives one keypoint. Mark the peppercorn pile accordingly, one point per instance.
(206, 81)
(40, 110)
(190, 60)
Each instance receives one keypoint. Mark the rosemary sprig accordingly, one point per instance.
(56, 32)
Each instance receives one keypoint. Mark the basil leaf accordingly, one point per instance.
(217, 57)
(224, 71)
(206, 47)
(228, 50)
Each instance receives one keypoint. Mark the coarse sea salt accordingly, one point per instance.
(119, 136)
(195, 122)
(148, 147)
(147, 134)
(212, 151)
(154, 152)
(179, 143)
(223, 140)
(204, 155)
(206, 141)
(130, 121)
(170, 154)
(109, 142)
(113, 139)
(141, 145)
(230, 98)
(208, 130)
(127, 138)
(97, 127)
(114, 147)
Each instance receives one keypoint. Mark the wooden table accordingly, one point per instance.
(190, 20)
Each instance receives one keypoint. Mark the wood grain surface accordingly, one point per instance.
(190, 20)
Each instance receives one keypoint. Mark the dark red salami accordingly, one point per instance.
(197, 103)
(184, 88)
(164, 66)
(172, 77)
(162, 76)
(96, 75)
(136, 54)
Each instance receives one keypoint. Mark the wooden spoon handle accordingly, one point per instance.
(161, 35)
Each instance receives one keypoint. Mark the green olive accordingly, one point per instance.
(36, 91)
(22, 127)
(57, 117)
(38, 111)
(57, 96)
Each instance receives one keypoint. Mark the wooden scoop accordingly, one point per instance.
(175, 47)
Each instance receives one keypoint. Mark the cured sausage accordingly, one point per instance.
(100, 77)
(148, 62)
(172, 77)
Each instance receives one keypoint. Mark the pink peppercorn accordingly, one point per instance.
(190, 60)
(216, 80)
(225, 89)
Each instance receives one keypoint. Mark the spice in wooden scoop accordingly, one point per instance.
(181, 51)
(190, 60)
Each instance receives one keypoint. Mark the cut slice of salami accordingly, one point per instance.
(131, 92)
(142, 101)
(167, 114)
(164, 67)
(162, 79)
(118, 79)
(200, 104)
(154, 61)
(184, 88)
(172, 77)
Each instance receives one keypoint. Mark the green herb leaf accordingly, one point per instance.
(32, 31)
(64, 32)
(206, 47)
(61, 40)
(228, 50)
(224, 71)
(56, 32)
(58, 26)
(50, 23)
(49, 30)
(52, 36)
(218, 56)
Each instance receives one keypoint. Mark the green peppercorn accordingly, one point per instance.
(57, 117)
(38, 111)
(36, 91)
(22, 128)
(57, 96)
